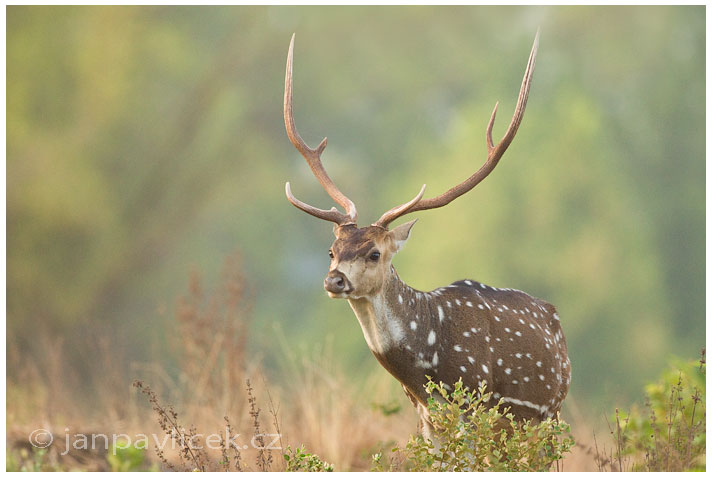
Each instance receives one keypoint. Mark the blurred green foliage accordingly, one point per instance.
(145, 141)
(29, 460)
(127, 457)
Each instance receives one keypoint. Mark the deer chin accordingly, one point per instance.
(349, 295)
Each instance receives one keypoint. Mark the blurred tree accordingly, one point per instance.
(144, 140)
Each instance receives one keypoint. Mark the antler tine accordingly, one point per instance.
(332, 215)
(494, 152)
(394, 213)
(521, 105)
(313, 158)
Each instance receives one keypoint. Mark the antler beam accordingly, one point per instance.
(313, 158)
(493, 157)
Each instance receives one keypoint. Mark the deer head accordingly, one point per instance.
(361, 257)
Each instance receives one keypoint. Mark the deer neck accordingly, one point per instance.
(390, 317)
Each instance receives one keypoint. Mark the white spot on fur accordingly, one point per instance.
(423, 364)
(543, 409)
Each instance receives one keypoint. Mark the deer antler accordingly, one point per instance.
(313, 157)
(398, 211)
(493, 156)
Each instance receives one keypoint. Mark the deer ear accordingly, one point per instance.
(401, 234)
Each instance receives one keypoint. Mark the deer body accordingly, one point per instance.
(503, 338)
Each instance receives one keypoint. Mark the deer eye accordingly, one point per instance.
(331, 254)
(375, 256)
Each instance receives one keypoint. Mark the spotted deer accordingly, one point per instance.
(505, 338)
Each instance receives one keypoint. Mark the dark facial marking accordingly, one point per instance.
(352, 243)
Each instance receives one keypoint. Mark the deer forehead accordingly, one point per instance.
(352, 243)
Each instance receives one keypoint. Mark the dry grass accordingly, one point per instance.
(310, 401)
(316, 405)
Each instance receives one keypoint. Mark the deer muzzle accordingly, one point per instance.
(337, 284)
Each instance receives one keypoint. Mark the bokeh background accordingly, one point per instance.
(144, 143)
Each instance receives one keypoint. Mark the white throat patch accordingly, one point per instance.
(381, 327)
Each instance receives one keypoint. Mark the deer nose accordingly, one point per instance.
(336, 283)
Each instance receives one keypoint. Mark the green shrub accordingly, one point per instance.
(476, 437)
(300, 460)
(669, 432)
